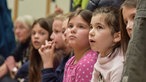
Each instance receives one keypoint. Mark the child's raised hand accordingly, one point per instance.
(47, 54)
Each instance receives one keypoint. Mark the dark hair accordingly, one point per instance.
(85, 14)
(124, 35)
(111, 19)
(45, 23)
(35, 58)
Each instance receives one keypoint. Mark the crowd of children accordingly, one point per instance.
(81, 46)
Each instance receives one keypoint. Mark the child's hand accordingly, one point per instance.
(47, 54)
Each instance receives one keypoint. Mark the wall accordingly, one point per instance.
(37, 8)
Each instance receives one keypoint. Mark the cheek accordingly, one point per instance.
(84, 34)
(103, 41)
(43, 38)
(25, 32)
(84, 37)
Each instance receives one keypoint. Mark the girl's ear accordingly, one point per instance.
(117, 37)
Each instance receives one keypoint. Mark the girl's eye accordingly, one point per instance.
(125, 22)
(81, 26)
(42, 33)
(91, 27)
(99, 27)
(63, 30)
(133, 16)
(70, 26)
(33, 33)
(56, 31)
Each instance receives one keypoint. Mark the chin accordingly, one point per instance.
(36, 47)
(94, 49)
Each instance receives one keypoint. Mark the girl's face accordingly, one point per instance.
(22, 31)
(65, 30)
(38, 36)
(78, 32)
(56, 36)
(100, 36)
(128, 16)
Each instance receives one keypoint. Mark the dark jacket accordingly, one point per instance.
(21, 52)
(1, 60)
(23, 71)
(135, 65)
(48, 75)
(93, 4)
(51, 75)
(7, 39)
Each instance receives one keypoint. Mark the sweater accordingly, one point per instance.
(109, 68)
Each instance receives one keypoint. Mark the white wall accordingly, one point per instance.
(37, 8)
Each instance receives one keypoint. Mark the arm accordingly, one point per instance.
(50, 75)
(47, 54)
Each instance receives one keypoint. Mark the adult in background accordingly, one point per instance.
(7, 39)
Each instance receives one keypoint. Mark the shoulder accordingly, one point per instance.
(69, 62)
(88, 60)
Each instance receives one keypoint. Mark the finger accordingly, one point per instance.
(46, 42)
(41, 52)
(53, 45)
(42, 48)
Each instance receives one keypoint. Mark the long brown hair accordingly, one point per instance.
(124, 35)
(35, 58)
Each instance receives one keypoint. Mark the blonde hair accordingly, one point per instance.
(27, 19)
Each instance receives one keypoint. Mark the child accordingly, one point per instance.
(41, 31)
(79, 68)
(134, 70)
(59, 43)
(104, 37)
(127, 11)
(22, 32)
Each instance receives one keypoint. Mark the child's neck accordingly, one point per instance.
(79, 54)
(106, 52)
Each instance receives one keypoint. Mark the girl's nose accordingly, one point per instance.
(36, 35)
(52, 36)
(73, 29)
(129, 26)
(91, 33)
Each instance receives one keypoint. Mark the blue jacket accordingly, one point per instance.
(1, 60)
(7, 39)
(23, 71)
(51, 75)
